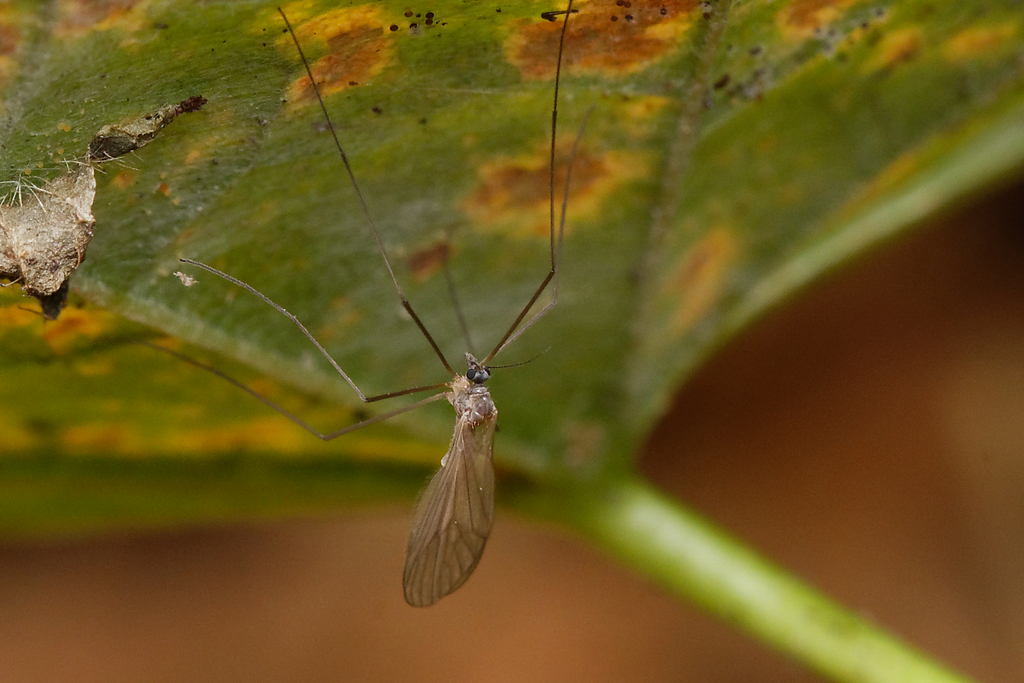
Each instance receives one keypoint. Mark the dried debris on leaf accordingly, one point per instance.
(186, 280)
(44, 235)
(43, 240)
(127, 136)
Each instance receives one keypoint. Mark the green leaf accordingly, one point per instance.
(734, 153)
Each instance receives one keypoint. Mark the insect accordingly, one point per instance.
(454, 515)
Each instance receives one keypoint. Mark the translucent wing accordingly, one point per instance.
(453, 517)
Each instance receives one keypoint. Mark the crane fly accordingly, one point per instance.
(454, 515)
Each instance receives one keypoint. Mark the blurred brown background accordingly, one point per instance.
(869, 437)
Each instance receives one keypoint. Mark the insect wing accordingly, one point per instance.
(453, 517)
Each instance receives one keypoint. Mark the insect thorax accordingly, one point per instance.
(472, 401)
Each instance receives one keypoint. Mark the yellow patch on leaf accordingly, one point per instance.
(981, 41)
(76, 18)
(801, 19)
(899, 170)
(75, 324)
(16, 316)
(898, 47)
(698, 278)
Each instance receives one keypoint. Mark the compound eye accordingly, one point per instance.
(478, 375)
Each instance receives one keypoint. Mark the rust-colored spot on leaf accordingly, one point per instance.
(697, 279)
(424, 262)
(982, 41)
(358, 49)
(641, 35)
(124, 179)
(164, 189)
(10, 38)
(514, 194)
(802, 18)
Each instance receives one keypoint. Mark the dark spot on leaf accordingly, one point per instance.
(192, 104)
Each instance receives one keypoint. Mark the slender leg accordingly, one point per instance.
(291, 416)
(309, 335)
(556, 244)
(362, 202)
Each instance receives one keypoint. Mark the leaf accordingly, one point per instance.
(831, 127)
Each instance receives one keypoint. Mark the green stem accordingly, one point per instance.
(694, 560)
